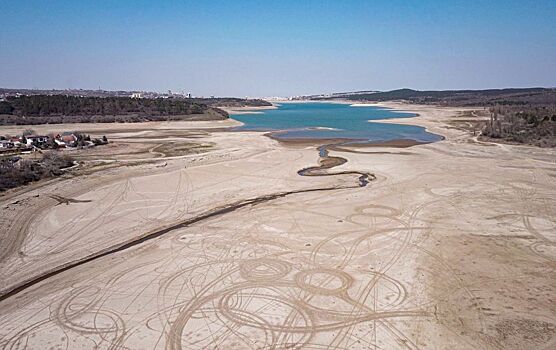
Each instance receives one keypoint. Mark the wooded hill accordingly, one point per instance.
(42, 109)
(491, 97)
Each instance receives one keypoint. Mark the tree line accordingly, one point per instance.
(491, 97)
(45, 105)
(41, 109)
(535, 125)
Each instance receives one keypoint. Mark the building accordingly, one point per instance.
(16, 141)
(5, 144)
(36, 139)
(66, 139)
(136, 95)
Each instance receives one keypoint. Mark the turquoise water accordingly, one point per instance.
(333, 120)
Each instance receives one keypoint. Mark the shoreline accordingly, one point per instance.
(427, 116)
(308, 141)
(349, 142)
(249, 109)
(345, 142)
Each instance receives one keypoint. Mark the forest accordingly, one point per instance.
(522, 124)
(40, 109)
(490, 97)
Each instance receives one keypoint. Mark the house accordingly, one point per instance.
(16, 141)
(36, 139)
(67, 139)
(5, 144)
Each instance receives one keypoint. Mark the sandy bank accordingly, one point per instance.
(96, 128)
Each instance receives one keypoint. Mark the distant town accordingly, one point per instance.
(7, 92)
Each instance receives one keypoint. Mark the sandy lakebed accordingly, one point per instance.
(186, 236)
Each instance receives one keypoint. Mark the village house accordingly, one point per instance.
(5, 144)
(61, 140)
(36, 139)
(66, 139)
(16, 141)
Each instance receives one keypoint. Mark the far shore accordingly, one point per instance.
(249, 109)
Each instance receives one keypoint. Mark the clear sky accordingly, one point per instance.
(268, 48)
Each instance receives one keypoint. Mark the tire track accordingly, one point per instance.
(326, 162)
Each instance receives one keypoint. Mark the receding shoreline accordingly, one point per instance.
(249, 109)
(396, 143)
(310, 141)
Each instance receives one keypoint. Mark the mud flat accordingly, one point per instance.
(445, 245)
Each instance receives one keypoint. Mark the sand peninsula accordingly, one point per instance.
(184, 235)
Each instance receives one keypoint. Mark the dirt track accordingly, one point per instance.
(452, 245)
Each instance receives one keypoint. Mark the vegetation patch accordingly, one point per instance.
(15, 171)
(522, 124)
(173, 149)
(48, 109)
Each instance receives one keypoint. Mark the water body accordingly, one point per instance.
(316, 120)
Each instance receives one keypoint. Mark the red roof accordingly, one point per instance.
(68, 138)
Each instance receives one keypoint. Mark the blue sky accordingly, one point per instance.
(267, 48)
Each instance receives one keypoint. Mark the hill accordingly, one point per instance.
(490, 97)
(47, 109)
